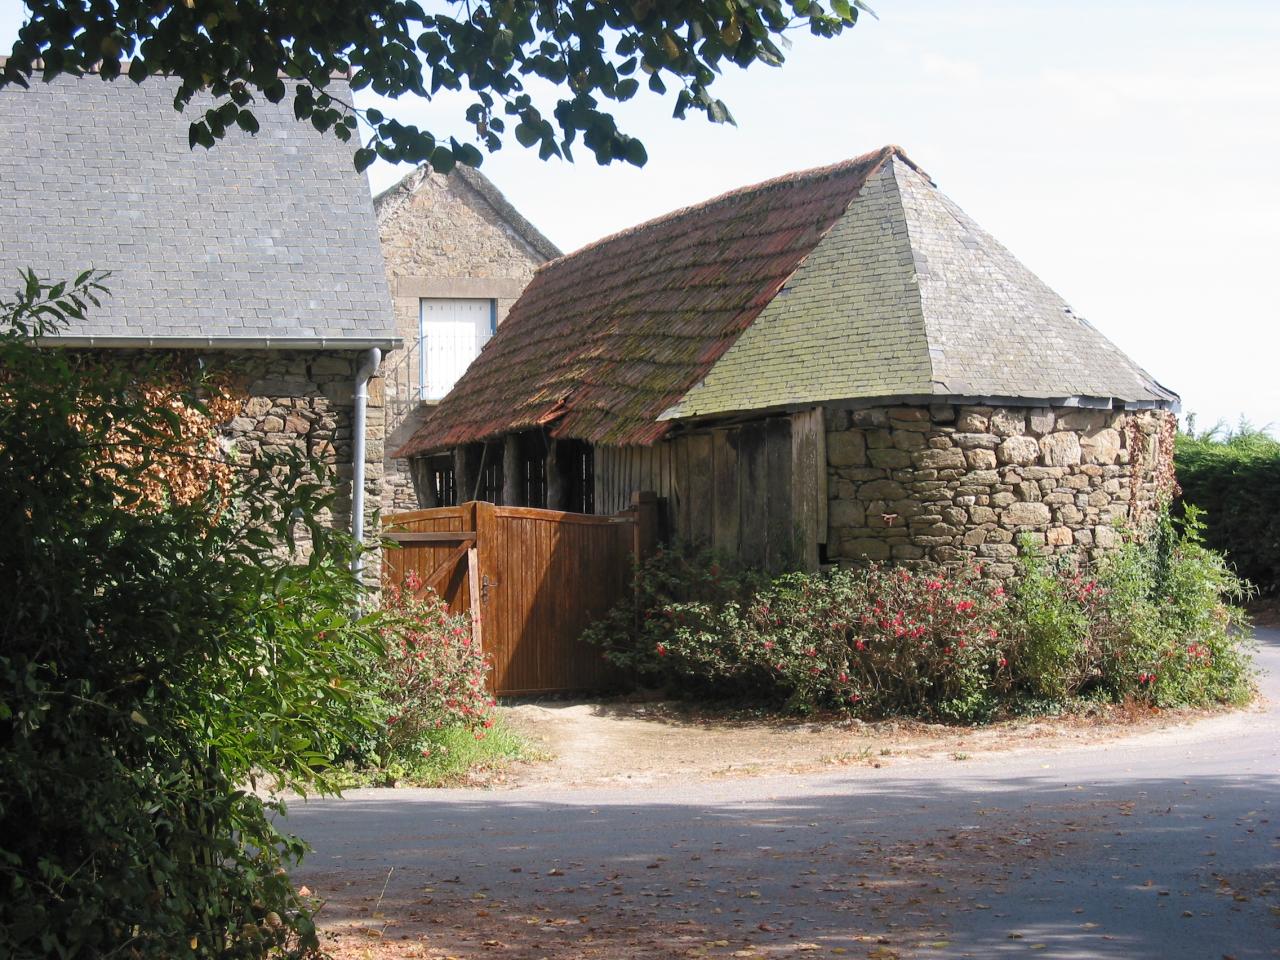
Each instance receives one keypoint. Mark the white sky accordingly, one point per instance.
(1128, 152)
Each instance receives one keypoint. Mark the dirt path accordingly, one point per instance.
(595, 744)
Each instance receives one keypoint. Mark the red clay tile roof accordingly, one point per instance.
(605, 339)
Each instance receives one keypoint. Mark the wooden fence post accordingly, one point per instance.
(480, 561)
(644, 504)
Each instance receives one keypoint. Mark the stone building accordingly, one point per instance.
(458, 255)
(259, 256)
(836, 365)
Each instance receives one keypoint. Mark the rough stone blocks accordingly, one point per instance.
(942, 484)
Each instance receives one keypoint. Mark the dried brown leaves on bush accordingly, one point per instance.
(185, 460)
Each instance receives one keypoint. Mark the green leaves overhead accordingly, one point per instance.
(593, 53)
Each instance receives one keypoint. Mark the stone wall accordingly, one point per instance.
(948, 483)
(442, 237)
(302, 402)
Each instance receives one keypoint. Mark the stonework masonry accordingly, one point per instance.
(302, 403)
(443, 237)
(947, 483)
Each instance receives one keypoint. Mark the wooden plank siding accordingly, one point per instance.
(545, 575)
(531, 580)
(423, 557)
(755, 490)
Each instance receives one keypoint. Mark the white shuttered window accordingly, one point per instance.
(453, 331)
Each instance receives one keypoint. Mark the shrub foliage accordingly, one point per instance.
(1153, 622)
(160, 652)
(1235, 479)
(427, 688)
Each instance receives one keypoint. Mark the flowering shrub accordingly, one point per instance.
(1171, 633)
(876, 640)
(1151, 622)
(430, 678)
(1154, 622)
(1055, 607)
(882, 640)
(686, 590)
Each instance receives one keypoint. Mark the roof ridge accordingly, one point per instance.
(915, 273)
(813, 173)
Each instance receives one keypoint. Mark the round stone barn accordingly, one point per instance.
(834, 366)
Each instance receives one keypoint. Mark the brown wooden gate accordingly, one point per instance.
(532, 580)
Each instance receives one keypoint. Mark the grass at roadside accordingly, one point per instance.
(452, 756)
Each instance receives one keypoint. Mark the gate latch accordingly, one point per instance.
(485, 584)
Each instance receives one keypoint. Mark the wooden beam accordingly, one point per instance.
(473, 572)
(806, 490)
(430, 536)
(700, 486)
(463, 478)
(444, 567)
(779, 546)
(512, 478)
(753, 491)
(554, 472)
(725, 510)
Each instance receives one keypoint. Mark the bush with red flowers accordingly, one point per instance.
(875, 640)
(431, 677)
(1152, 622)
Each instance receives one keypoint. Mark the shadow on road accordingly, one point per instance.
(1029, 865)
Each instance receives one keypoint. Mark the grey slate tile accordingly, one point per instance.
(96, 174)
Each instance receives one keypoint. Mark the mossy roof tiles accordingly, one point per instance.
(858, 280)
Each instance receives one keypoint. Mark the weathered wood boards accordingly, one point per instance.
(755, 490)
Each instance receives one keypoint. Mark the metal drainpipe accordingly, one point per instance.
(368, 366)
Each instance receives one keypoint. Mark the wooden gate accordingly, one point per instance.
(531, 580)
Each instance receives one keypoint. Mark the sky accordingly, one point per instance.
(1127, 152)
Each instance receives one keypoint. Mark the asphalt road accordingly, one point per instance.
(1165, 845)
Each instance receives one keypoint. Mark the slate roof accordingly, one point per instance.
(858, 281)
(266, 240)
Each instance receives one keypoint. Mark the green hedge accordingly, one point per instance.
(1235, 479)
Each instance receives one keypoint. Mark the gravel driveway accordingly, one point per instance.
(1161, 845)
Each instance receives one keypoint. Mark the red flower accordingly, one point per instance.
(661, 650)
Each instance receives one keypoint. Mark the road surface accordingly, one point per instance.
(1164, 845)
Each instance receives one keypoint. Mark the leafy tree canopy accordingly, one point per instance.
(591, 51)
